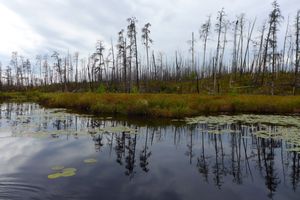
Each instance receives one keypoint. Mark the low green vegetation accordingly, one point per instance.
(161, 105)
(170, 105)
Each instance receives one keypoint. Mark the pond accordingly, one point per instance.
(53, 154)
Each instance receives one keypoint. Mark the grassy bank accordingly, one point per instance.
(168, 105)
(161, 105)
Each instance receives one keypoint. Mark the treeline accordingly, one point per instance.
(230, 49)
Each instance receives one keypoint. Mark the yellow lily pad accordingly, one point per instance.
(69, 170)
(54, 176)
(68, 173)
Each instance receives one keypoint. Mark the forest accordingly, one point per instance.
(226, 56)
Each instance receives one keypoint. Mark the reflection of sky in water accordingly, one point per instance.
(158, 163)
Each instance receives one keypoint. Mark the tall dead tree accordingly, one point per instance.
(8, 76)
(204, 34)
(275, 18)
(1, 83)
(58, 67)
(45, 70)
(250, 32)
(193, 67)
(271, 41)
(235, 51)
(99, 62)
(285, 44)
(122, 56)
(114, 74)
(154, 65)
(220, 25)
(240, 50)
(297, 60)
(132, 35)
(76, 59)
(147, 41)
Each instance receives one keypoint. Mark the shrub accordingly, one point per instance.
(101, 89)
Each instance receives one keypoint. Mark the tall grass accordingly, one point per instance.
(171, 105)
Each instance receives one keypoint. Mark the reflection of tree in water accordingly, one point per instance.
(125, 150)
(202, 165)
(235, 171)
(8, 110)
(59, 124)
(130, 157)
(218, 168)
(63, 124)
(236, 161)
(94, 123)
(120, 147)
(295, 170)
(271, 177)
(189, 152)
(145, 155)
(98, 141)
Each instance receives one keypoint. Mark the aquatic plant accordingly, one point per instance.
(62, 172)
(118, 129)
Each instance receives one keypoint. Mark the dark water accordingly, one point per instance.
(158, 162)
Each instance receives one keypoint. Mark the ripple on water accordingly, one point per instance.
(12, 187)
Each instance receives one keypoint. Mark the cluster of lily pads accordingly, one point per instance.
(287, 128)
(27, 131)
(61, 171)
(29, 125)
(247, 119)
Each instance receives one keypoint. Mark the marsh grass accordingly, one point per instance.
(171, 105)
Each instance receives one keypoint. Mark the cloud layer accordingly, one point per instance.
(40, 26)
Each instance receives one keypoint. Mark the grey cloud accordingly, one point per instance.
(82, 22)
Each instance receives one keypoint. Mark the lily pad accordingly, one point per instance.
(69, 170)
(296, 149)
(118, 129)
(68, 173)
(54, 176)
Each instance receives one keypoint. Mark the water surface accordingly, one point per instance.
(198, 160)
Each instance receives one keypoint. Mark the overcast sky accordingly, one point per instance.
(34, 26)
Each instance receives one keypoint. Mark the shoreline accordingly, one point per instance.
(161, 105)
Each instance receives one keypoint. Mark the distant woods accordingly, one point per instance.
(225, 56)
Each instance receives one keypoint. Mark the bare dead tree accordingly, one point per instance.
(297, 57)
(147, 41)
(275, 18)
(204, 34)
(220, 26)
(132, 35)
